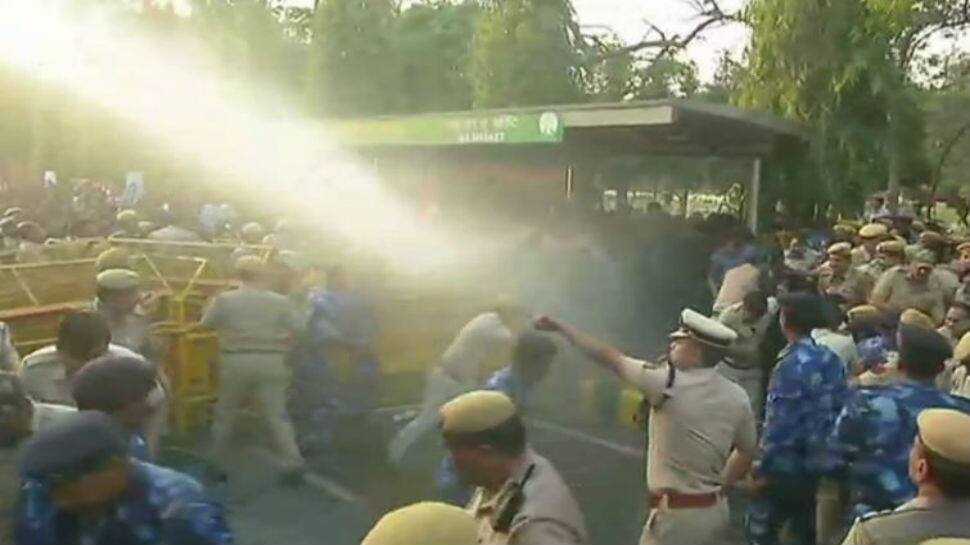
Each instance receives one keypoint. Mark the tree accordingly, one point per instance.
(434, 44)
(667, 77)
(526, 52)
(948, 125)
(823, 64)
(352, 68)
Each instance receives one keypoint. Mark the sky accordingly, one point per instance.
(626, 18)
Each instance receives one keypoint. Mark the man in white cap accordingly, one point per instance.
(482, 338)
(521, 499)
(425, 523)
(939, 465)
(702, 436)
(255, 327)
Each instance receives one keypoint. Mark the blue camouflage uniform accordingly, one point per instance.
(874, 434)
(874, 351)
(805, 394)
(450, 487)
(160, 507)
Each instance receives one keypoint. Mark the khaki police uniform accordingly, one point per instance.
(426, 523)
(533, 506)
(896, 291)
(549, 514)
(943, 432)
(745, 367)
(254, 327)
(696, 421)
(45, 377)
(853, 285)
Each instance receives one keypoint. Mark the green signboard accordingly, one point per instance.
(453, 130)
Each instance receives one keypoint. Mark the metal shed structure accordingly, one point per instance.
(575, 138)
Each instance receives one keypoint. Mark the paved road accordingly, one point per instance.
(350, 491)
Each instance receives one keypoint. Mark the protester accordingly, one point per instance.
(479, 340)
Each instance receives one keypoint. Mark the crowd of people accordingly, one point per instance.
(816, 381)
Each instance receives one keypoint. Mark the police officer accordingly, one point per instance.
(750, 319)
(113, 258)
(81, 337)
(870, 235)
(127, 222)
(912, 286)
(521, 499)
(80, 486)
(805, 394)
(32, 237)
(427, 523)
(255, 328)
(889, 254)
(939, 466)
(127, 390)
(702, 435)
(251, 234)
(19, 418)
(118, 301)
(531, 358)
(838, 277)
(875, 429)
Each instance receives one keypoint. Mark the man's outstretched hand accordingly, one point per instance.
(545, 323)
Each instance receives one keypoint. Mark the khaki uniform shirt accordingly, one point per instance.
(854, 286)
(45, 378)
(700, 418)
(253, 320)
(549, 515)
(861, 256)
(132, 330)
(745, 350)
(910, 524)
(949, 281)
(960, 381)
(895, 291)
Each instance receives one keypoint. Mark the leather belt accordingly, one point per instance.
(676, 500)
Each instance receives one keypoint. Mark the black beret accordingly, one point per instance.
(110, 383)
(927, 345)
(71, 445)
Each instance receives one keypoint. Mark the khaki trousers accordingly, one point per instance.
(265, 377)
(703, 526)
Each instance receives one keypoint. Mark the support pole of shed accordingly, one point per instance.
(754, 196)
